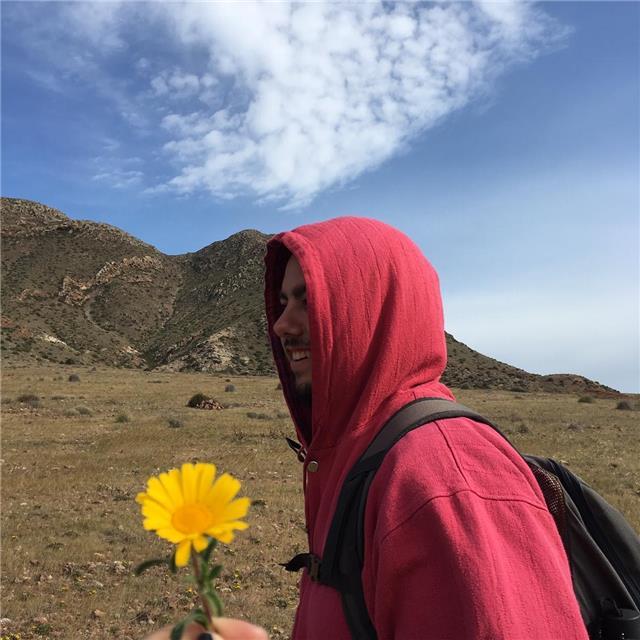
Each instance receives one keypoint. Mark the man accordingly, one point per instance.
(458, 539)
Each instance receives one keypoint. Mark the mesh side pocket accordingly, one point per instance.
(554, 496)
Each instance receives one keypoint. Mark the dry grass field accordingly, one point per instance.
(74, 459)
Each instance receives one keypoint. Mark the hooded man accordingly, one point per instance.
(458, 540)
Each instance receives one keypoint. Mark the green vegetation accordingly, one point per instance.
(197, 399)
(27, 397)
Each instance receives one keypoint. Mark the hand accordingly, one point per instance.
(226, 629)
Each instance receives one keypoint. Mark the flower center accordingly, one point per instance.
(192, 518)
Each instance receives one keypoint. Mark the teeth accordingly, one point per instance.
(299, 355)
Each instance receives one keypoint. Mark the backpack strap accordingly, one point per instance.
(343, 555)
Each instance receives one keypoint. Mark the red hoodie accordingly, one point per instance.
(458, 541)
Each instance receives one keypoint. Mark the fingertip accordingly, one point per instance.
(232, 629)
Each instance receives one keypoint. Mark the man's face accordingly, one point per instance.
(292, 327)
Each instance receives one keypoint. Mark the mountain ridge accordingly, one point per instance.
(78, 291)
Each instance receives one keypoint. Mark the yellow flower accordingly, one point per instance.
(187, 505)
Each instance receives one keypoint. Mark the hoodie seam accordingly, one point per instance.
(442, 430)
(453, 494)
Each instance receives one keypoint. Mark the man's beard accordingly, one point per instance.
(303, 394)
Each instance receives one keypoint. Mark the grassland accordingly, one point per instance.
(74, 458)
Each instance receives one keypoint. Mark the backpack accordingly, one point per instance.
(602, 548)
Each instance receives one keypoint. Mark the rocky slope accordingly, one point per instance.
(81, 292)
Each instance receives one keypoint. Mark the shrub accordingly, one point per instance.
(279, 387)
(122, 417)
(174, 423)
(83, 411)
(523, 428)
(70, 413)
(587, 399)
(74, 377)
(28, 397)
(230, 387)
(258, 416)
(282, 414)
(623, 405)
(197, 399)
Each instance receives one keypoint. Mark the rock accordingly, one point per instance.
(96, 613)
(119, 567)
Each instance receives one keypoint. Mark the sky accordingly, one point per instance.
(502, 137)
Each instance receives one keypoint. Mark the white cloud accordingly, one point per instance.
(120, 178)
(178, 84)
(97, 22)
(284, 100)
(327, 91)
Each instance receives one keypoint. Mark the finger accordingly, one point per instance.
(230, 629)
(191, 632)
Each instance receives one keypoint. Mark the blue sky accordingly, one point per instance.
(503, 138)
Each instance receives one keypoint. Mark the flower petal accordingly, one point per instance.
(183, 553)
(223, 491)
(151, 508)
(189, 482)
(222, 534)
(173, 486)
(157, 492)
(240, 525)
(171, 534)
(200, 543)
(236, 509)
(153, 524)
(206, 476)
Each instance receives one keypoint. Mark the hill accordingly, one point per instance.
(81, 292)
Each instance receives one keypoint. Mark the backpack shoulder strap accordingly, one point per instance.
(412, 415)
(343, 555)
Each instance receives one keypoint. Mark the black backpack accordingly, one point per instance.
(602, 548)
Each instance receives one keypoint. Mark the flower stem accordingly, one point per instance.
(203, 600)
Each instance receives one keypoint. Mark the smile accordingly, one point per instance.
(296, 356)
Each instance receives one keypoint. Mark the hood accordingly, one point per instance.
(375, 323)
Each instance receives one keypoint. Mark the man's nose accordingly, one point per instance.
(287, 325)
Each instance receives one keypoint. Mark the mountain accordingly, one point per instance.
(80, 292)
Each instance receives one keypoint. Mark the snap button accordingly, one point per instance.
(312, 467)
